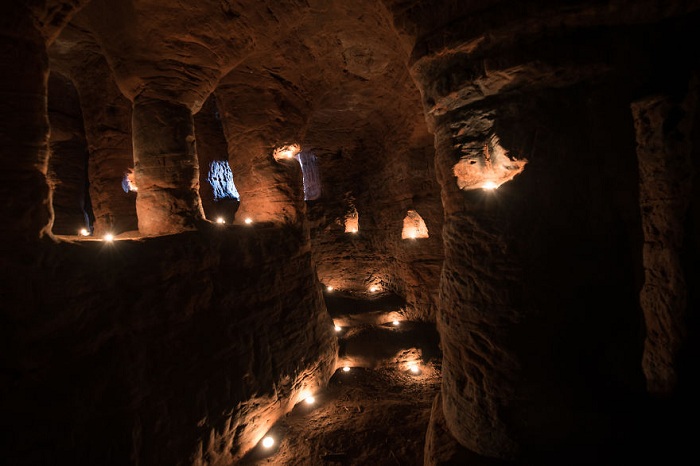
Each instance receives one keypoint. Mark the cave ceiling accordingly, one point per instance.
(330, 75)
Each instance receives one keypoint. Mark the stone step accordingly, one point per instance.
(402, 346)
(350, 311)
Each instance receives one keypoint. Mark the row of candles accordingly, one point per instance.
(269, 441)
(109, 237)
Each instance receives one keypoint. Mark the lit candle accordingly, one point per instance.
(220, 220)
(248, 220)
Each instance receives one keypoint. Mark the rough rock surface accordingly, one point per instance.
(107, 120)
(112, 359)
(68, 164)
(564, 300)
(665, 185)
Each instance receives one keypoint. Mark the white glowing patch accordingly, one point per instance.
(338, 328)
(489, 185)
(396, 323)
(286, 152)
(373, 289)
(84, 232)
(220, 220)
(329, 288)
(309, 400)
(109, 237)
(414, 369)
(346, 369)
(248, 220)
(268, 442)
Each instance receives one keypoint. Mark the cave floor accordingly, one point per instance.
(376, 413)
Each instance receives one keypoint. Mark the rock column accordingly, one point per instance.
(26, 207)
(107, 115)
(538, 314)
(665, 187)
(166, 167)
(270, 190)
(25, 32)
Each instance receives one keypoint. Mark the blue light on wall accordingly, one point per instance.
(220, 178)
(311, 177)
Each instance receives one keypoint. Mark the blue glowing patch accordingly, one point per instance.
(311, 178)
(220, 178)
(126, 185)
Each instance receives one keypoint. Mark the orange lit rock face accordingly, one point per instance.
(516, 259)
(352, 222)
(166, 168)
(414, 226)
(183, 339)
(188, 345)
(487, 169)
(107, 120)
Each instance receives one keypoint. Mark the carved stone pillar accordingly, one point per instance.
(270, 190)
(107, 115)
(26, 207)
(664, 146)
(25, 32)
(535, 156)
(166, 167)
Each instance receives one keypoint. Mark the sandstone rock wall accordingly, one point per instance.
(181, 349)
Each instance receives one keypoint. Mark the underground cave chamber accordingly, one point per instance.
(349, 233)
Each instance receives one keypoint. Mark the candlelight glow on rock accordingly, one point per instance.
(286, 152)
(352, 222)
(486, 166)
(487, 317)
(268, 441)
(414, 226)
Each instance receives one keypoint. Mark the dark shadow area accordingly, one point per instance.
(341, 303)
